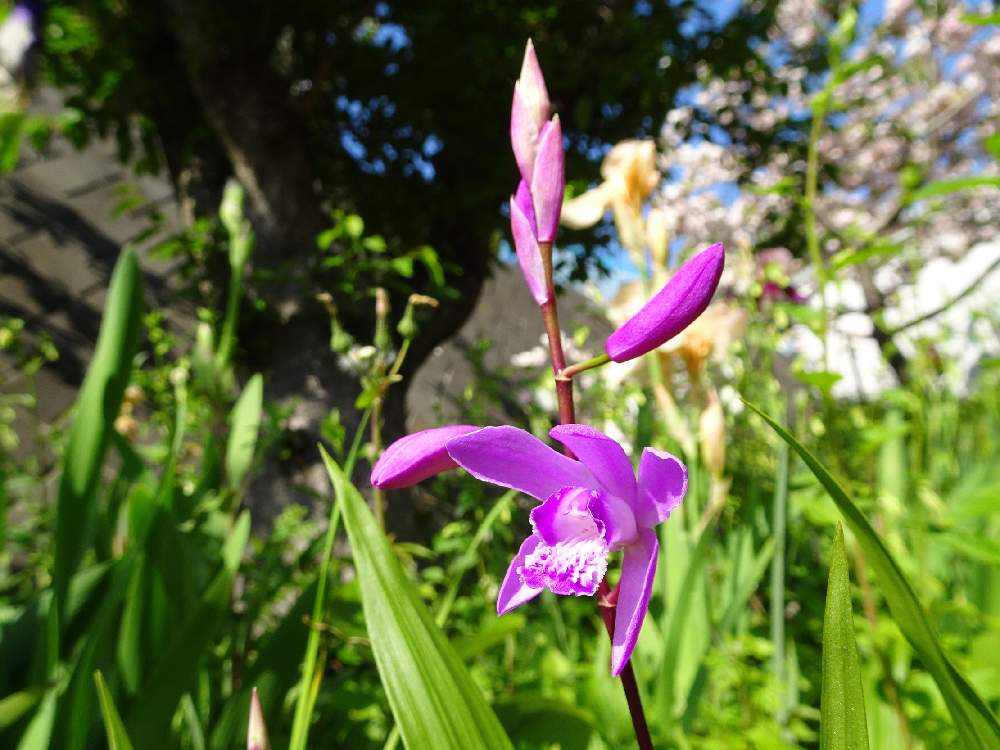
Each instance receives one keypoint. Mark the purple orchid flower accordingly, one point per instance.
(673, 309)
(589, 509)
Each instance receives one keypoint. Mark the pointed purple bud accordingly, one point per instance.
(256, 727)
(529, 111)
(548, 181)
(673, 309)
(523, 200)
(416, 457)
(528, 253)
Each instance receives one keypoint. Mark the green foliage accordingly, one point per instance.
(432, 695)
(974, 721)
(842, 723)
(96, 408)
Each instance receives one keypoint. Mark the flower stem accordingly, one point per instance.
(569, 372)
(606, 597)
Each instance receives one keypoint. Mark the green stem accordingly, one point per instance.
(820, 104)
(567, 373)
(778, 582)
(228, 336)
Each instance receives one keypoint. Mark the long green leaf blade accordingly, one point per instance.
(976, 725)
(244, 424)
(113, 727)
(842, 724)
(97, 407)
(432, 695)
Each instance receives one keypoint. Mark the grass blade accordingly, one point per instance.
(842, 724)
(976, 725)
(244, 425)
(432, 695)
(97, 407)
(113, 727)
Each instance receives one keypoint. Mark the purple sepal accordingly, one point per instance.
(416, 457)
(638, 570)
(673, 309)
(523, 199)
(548, 181)
(529, 256)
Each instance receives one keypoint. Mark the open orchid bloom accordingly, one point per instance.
(588, 509)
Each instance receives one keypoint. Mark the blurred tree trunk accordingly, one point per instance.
(209, 71)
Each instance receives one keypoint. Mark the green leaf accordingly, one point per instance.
(544, 722)
(113, 727)
(16, 705)
(11, 137)
(176, 671)
(842, 724)
(976, 725)
(946, 187)
(432, 695)
(987, 20)
(96, 408)
(244, 424)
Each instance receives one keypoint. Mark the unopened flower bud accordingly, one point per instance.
(257, 727)
(529, 111)
(548, 182)
(673, 309)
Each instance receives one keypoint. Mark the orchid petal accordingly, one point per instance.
(535, 93)
(514, 591)
(524, 130)
(617, 518)
(663, 481)
(523, 199)
(548, 180)
(529, 256)
(673, 309)
(416, 457)
(517, 459)
(603, 456)
(638, 570)
(565, 515)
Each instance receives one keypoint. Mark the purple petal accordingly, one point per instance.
(566, 515)
(638, 569)
(616, 517)
(528, 254)
(533, 83)
(673, 309)
(603, 456)
(514, 591)
(548, 181)
(523, 199)
(523, 132)
(517, 459)
(415, 457)
(663, 481)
